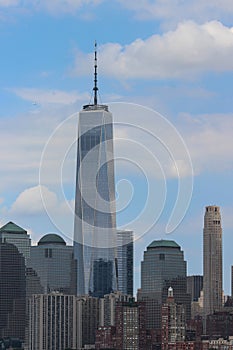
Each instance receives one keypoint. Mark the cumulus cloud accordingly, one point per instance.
(30, 201)
(37, 199)
(188, 50)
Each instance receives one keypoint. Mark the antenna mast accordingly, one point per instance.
(95, 88)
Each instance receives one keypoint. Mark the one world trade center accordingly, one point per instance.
(95, 212)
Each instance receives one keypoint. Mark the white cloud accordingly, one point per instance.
(51, 6)
(188, 50)
(177, 10)
(39, 96)
(169, 11)
(209, 140)
(30, 201)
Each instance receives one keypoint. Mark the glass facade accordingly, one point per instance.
(125, 247)
(12, 292)
(163, 267)
(95, 218)
(52, 261)
(14, 234)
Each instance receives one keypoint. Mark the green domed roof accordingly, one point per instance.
(11, 227)
(163, 243)
(51, 238)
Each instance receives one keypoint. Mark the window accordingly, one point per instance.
(48, 253)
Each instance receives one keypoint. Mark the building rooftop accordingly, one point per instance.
(11, 227)
(163, 243)
(51, 238)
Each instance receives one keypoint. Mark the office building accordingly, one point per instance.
(125, 253)
(163, 266)
(54, 322)
(95, 213)
(14, 234)
(12, 292)
(52, 261)
(194, 286)
(212, 260)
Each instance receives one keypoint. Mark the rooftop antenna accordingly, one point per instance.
(95, 88)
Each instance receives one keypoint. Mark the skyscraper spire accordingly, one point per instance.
(95, 88)
(95, 105)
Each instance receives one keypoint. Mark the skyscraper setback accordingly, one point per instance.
(212, 260)
(95, 214)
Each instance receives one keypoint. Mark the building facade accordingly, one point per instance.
(95, 213)
(54, 322)
(51, 267)
(212, 260)
(125, 255)
(14, 234)
(130, 325)
(232, 281)
(108, 308)
(163, 266)
(12, 292)
(194, 286)
(173, 322)
(90, 311)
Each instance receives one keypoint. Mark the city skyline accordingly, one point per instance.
(45, 81)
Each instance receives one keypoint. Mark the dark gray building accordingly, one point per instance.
(51, 266)
(163, 266)
(194, 286)
(125, 254)
(12, 292)
(14, 234)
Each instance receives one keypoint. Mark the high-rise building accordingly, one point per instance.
(131, 325)
(54, 322)
(12, 292)
(125, 255)
(90, 310)
(232, 281)
(173, 322)
(212, 260)
(163, 267)
(194, 286)
(95, 213)
(52, 261)
(14, 234)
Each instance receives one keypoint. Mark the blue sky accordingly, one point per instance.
(173, 57)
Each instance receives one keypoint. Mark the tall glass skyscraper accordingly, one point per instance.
(95, 214)
(125, 247)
